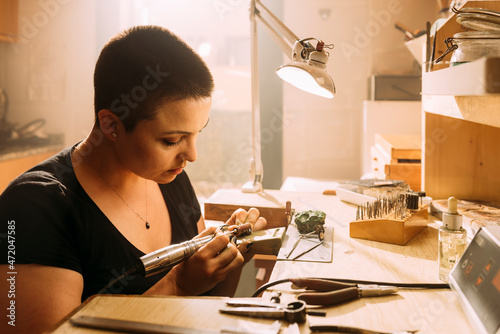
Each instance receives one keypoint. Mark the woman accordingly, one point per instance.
(84, 217)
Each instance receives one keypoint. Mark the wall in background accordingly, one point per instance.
(49, 75)
(46, 74)
(323, 138)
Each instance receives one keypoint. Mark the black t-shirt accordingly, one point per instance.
(47, 218)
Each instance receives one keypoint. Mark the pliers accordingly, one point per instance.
(333, 292)
(291, 312)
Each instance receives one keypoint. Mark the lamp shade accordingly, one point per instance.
(308, 78)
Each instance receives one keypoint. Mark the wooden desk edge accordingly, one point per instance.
(91, 298)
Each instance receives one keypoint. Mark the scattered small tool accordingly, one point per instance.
(348, 329)
(333, 292)
(319, 231)
(292, 312)
(308, 250)
(297, 243)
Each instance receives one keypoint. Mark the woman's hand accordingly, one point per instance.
(208, 266)
(257, 223)
(213, 262)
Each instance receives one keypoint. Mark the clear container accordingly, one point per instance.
(473, 45)
(452, 245)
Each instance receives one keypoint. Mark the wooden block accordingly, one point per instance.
(265, 242)
(271, 205)
(392, 231)
(400, 147)
(411, 173)
(462, 159)
(9, 21)
(264, 265)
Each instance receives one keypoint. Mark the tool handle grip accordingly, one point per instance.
(329, 298)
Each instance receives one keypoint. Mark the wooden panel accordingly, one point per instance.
(481, 109)
(271, 205)
(411, 173)
(400, 146)
(9, 12)
(462, 159)
(10, 169)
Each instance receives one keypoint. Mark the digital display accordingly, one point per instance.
(496, 281)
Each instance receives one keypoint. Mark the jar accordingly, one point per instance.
(472, 45)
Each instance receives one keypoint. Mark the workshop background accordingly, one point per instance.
(48, 75)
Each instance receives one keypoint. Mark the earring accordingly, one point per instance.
(114, 134)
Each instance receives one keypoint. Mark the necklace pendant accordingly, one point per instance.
(147, 225)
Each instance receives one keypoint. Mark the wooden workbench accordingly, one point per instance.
(429, 311)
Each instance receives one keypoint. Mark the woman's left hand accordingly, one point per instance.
(243, 217)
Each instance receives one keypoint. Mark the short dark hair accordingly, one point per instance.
(142, 68)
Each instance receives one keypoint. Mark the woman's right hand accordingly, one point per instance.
(207, 267)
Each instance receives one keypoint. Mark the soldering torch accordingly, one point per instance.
(167, 257)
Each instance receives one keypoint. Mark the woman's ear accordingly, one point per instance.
(109, 124)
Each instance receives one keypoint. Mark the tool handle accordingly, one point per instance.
(319, 284)
(329, 298)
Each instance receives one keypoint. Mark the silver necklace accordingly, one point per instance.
(119, 196)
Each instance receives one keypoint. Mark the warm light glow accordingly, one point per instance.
(308, 78)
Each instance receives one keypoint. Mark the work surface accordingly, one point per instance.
(429, 311)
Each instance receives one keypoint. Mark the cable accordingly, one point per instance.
(117, 279)
(346, 280)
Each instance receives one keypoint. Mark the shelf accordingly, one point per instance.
(461, 104)
(480, 77)
(9, 20)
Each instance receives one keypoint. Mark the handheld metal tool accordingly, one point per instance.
(332, 292)
(292, 312)
(308, 250)
(319, 232)
(349, 329)
(167, 257)
(297, 243)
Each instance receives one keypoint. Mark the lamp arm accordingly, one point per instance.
(277, 30)
(291, 46)
(256, 169)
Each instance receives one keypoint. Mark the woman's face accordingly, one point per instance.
(154, 149)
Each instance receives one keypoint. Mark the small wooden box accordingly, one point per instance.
(392, 231)
(398, 157)
(400, 148)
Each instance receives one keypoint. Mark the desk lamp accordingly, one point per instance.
(307, 71)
